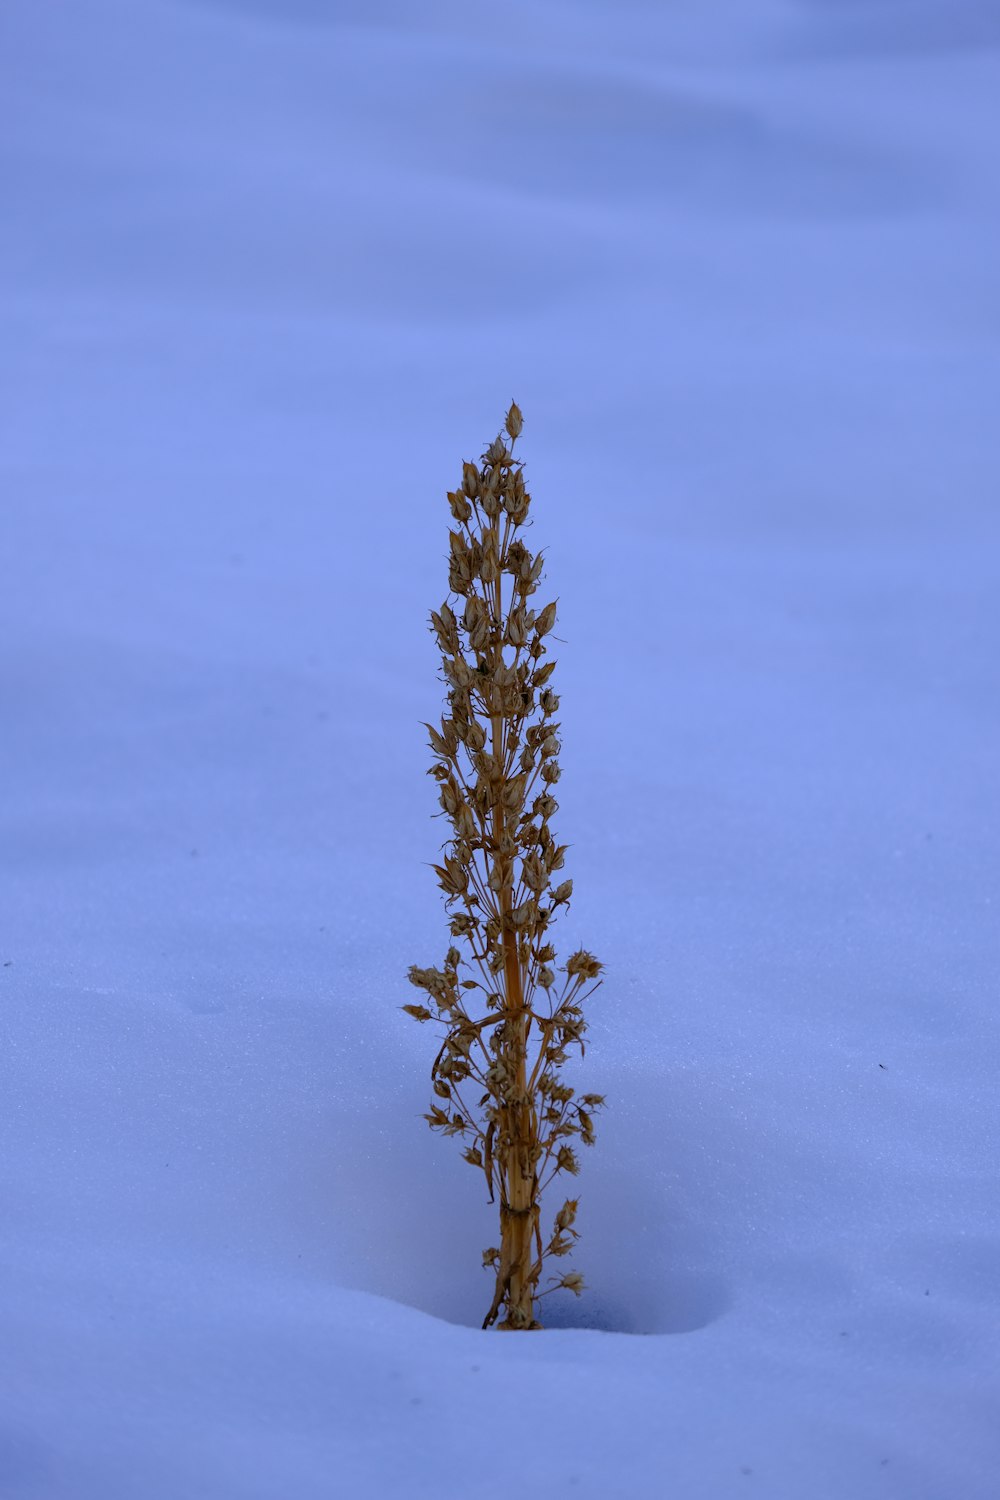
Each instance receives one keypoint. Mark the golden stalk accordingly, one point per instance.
(497, 871)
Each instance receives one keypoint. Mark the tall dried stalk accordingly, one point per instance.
(496, 767)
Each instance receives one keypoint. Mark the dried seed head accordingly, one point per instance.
(444, 628)
(518, 502)
(512, 797)
(515, 556)
(465, 823)
(460, 507)
(517, 631)
(450, 798)
(555, 855)
(583, 963)
(458, 671)
(491, 505)
(566, 1216)
(523, 914)
(498, 866)
(546, 619)
(473, 611)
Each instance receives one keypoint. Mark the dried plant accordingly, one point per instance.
(496, 767)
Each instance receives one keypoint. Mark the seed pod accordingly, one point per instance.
(465, 823)
(546, 619)
(459, 575)
(566, 1217)
(566, 1160)
(515, 556)
(584, 964)
(518, 505)
(460, 507)
(445, 629)
(419, 1012)
(555, 856)
(450, 799)
(479, 638)
(436, 741)
(517, 634)
(491, 505)
(514, 421)
(487, 767)
(458, 671)
(513, 793)
(470, 480)
(473, 611)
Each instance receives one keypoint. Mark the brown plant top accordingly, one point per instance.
(510, 1015)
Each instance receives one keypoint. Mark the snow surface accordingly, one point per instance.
(271, 269)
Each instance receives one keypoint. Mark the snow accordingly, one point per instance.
(270, 271)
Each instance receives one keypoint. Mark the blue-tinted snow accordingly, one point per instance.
(269, 271)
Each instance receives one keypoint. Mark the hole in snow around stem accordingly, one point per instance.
(683, 1305)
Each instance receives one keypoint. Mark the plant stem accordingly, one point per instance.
(518, 1180)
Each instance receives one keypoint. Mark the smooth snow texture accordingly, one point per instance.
(270, 270)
